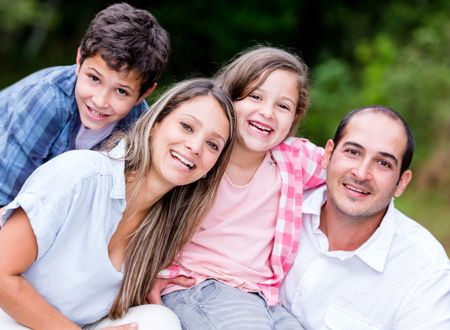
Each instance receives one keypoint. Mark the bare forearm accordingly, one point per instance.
(26, 306)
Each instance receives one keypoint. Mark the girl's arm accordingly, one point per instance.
(18, 250)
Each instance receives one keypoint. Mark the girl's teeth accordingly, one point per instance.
(260, 128)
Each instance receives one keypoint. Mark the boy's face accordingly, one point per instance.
(104, 95)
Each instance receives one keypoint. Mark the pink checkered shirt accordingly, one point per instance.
(299, 163)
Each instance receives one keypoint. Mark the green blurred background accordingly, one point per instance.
(394, 53)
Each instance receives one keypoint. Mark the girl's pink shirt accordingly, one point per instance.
(242, 219)
(299, 164)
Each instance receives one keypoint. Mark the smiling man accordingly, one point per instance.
(362, 264)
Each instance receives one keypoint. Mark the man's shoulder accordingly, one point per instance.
(417, 242)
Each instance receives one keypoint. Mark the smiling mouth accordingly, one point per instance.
(183, 160)
(260, 128)
(357, 190)
(96, 113)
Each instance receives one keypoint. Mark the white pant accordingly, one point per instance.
(7, 323)
(155, 317)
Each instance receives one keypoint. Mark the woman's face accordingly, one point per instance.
(187, 142)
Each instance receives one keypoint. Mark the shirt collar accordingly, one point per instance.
(117, 154)
(68, 80)
(375, 250)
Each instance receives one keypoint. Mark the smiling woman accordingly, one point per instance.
(189, 141)
(100, 226)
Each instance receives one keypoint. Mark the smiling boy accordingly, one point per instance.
(120, 58)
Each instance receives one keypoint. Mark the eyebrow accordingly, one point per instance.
(382, 153)
(282, 97)
(121, 85)
(213, 133)
(95, 70)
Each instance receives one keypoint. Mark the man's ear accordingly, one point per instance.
(147, 93)
(405, 178)
(329, 147)
(78, 61)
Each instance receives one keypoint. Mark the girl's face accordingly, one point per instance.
(265, 116)
(187, 142)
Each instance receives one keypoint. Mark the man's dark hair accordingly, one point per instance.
(407, 155)
(128, 39)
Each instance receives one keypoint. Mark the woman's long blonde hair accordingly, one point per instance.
(172, 220)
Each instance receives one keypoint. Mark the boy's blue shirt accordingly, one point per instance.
(39, 120)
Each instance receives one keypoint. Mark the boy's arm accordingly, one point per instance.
(18, 250)
(28, 135)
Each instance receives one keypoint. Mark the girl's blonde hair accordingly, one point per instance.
(171, 221)
(249, 69)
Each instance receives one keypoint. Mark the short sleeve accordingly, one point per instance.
(39, 217)
(45, 204)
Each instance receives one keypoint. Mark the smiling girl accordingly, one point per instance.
(248, 241)
(90, 230)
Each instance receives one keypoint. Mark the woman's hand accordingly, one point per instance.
(154, 296)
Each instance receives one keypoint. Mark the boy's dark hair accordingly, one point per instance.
(391, 113)
(128, 39)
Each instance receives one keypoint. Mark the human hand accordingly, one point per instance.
(127, 326)
(154, 296)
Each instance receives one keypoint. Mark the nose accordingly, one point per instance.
(101, 98)
(195, 144)
(362, 171)
(266, 111)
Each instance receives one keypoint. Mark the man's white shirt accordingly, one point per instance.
(398, 279)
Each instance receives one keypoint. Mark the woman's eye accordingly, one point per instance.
(186, 127)
(213, 145)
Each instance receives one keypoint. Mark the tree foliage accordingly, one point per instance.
(363, 52)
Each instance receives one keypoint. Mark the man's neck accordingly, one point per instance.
(343, 232)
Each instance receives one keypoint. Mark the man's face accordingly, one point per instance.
(363, 169)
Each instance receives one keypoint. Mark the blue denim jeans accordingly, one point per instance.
(214, 305)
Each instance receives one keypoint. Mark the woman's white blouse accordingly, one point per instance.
(74, 203)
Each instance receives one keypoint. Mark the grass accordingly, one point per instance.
(429, 208)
